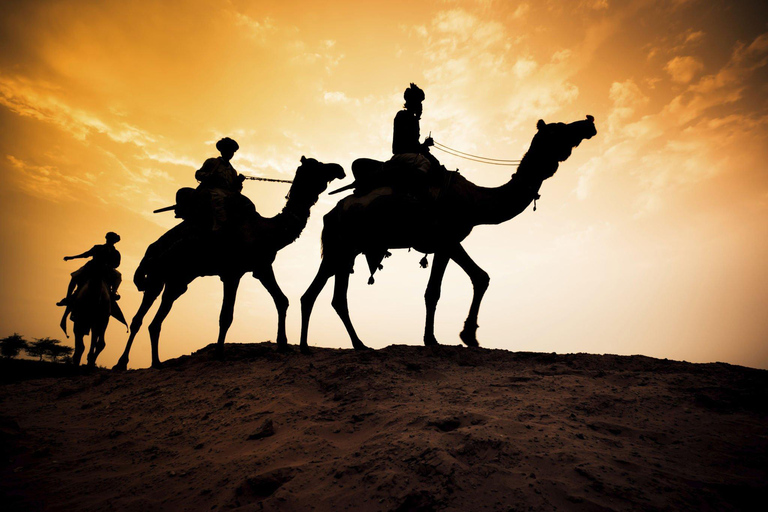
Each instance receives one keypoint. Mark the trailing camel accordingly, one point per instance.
(245, 244)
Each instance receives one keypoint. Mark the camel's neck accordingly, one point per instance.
(292, 220)
(497, 205)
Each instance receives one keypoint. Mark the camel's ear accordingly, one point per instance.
(303, 159)
(541, 124)
(590, 118)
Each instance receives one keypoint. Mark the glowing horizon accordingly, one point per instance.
(651, 239)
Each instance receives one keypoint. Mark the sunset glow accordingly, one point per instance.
(651, 239)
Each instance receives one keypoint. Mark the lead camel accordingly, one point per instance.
(384, 219)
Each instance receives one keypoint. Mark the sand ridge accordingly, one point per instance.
(402, 428)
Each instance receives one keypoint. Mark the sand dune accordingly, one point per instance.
(403, 428)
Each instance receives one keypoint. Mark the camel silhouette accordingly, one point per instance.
(90, 309)
(383, 219)
(188, 251)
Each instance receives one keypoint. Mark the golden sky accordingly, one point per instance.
(651, 239)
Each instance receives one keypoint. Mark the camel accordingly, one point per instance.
(189, 251)
(90, 309)
(384, 219)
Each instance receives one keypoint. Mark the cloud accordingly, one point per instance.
(521, 11)
(332, 97)
(258, 30)
(42, 101)
(684, 69)
(725, 87)
(524, 67)
(627, 98)
(45, 181)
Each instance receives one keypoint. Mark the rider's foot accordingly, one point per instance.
(115, 296)
(63, 302)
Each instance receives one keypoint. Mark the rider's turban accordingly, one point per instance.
(227, 144)
(413, 94)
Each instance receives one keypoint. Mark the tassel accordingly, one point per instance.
(370, 280)
(424, 263)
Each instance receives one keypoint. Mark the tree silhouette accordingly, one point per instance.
(48, 347)
(10, 346)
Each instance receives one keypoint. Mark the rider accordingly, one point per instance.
(220, 180)
(104, 260)
(406, 149)
(408, 154)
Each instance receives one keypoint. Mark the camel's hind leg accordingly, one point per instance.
(97, 344)
(171, 293)
(308, 300)
(341, 306)
(267, 278)
(432, 295)
(150, 295)
(98, 349)
(79, 348)
(480, 280)
(231, 284)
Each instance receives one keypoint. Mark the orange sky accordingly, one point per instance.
(651, 239)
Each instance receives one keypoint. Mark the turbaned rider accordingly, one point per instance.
(220, 180)
(105, 259)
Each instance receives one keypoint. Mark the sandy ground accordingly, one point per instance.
(403, 428)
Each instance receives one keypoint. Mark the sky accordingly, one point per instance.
(651, 239)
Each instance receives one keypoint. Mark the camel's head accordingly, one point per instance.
(312, 178)
(554, 142)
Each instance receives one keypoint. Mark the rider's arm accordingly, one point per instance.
(205, 172)
(86, 254)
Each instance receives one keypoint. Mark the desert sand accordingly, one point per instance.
(402, 428)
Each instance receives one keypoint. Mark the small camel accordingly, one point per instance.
(187, 252)
(90, 309)
(383, 220)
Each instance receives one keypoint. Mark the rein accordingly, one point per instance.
(257, 178)
(475, 158)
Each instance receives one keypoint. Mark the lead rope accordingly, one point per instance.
(475, 158)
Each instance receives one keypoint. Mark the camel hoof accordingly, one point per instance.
(431, 341)
(469, 340)
(120, 367)
(157, 365)
(361, 347)
(284, 348)
(305, 350)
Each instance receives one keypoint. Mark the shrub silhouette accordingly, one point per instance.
(10, 346)
(48, 347)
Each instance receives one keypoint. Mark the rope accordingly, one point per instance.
(257, 178)
(475, 158)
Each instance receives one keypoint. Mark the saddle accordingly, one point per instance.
(202, 206)
(408, 173)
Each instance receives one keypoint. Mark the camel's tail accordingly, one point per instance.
(63, 323)
(331, 230)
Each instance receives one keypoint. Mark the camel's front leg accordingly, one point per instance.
(231, 284)
(480, 282)
(432, 295)
(267, 278)
(341, 306)
(171, 293)
(308, 301)
(150, 295)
